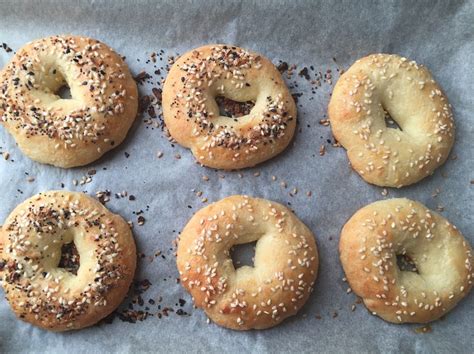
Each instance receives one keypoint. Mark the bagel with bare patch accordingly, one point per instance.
(443, 270)
(382, 155)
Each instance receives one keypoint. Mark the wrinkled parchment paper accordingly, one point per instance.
(324, 35)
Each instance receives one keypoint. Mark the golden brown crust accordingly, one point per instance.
(74, 132)
(51, 297)
(192, 115)
(387, 156)
(369, 245)
(285, 266)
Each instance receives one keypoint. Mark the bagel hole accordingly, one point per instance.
(64, 92)
(243, 255)
(70, 260)
(406, 264)
(391, 123)
(233, 109)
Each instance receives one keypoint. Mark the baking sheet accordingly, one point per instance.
(320, 36)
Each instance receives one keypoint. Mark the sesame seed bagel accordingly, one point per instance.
(45, 289)
(67, 132)
(373, 238)
(192, 115)
(258, 297)
(382, 155)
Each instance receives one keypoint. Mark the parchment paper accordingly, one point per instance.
(324, 35)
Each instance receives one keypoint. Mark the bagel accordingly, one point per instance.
(53, 297)
(284, 271)
(67, 132)
(373, 238)
(382, 155)
(192, 115)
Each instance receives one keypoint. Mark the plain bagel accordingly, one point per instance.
(192, 114)
(373, 238)
(382, 155)
(284, 271)
(67, 132)
(50, 290)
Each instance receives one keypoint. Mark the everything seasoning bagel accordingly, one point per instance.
(45, 289)
(67, 132)
(192, 114)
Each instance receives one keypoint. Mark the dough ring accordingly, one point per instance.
(383, 155)
(373, 238)
(67, 132)
(46, 288)
(192, 114)
(285, 266)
